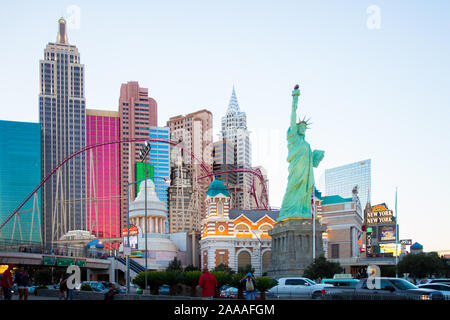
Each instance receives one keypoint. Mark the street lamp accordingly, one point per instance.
(260, 249)
(143, 155)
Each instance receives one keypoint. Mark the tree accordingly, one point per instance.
(43, 277)
(174, 265)
(265, 283)
(191, 268)
(422, 265)
(248, 268)
(222, 279)
(322, 268)
(235, 281)
(172, 278)
(224, 267)
(154, 278)
(191, 279)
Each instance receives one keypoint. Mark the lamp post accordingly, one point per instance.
(260, 250)
(143, 155)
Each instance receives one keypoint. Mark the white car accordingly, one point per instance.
(296, 288)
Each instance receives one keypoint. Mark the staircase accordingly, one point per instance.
(135, 267)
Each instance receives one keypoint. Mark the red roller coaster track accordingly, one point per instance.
(202, 165)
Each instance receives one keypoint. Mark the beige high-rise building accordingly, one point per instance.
(194, 134)
(138, 112)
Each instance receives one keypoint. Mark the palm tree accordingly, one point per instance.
(191, 279)
(265, 283)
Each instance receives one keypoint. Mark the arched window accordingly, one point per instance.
(242, 228)
(219, 208)
(244, 259)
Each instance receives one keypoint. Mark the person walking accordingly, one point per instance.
(22, 279)
(63, 287)
(208, 283)
(249, 284)
(7, 282)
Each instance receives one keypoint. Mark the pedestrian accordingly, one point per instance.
(7, 282)
(208, 283)
(249, 284)
(63, 287)
(112, 291)
(69, 290)
(22, 279)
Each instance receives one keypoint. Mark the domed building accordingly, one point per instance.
(161, 250)
(234, 237)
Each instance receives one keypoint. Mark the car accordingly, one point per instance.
(164, 289)
(296, 288)
(341, 282)
(118, 287)
(444, 288)
(435, 280)
(96, 286)
(382, 288)
(229, 292)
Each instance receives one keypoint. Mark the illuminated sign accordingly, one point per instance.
(380, 217)
(369, 243)
(380, 207)
(387, 233)
(406, 242)
(390, 248)
(133, 231)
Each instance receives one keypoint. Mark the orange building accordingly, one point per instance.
(234, 237)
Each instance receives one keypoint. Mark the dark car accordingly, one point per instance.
(444, 288)
(382, 289)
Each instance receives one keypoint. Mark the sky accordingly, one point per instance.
(373, 75)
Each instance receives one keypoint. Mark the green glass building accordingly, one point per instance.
(20, 173)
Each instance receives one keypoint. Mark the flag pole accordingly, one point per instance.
(396, 235)
(314, 224)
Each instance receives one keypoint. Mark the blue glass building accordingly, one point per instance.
(159, 158)
(20, 173)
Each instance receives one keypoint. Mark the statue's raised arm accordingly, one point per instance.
(295, 95)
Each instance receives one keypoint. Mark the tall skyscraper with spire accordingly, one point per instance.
(234, 130)
(62, 116)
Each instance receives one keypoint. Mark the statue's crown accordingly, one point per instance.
(305, 122)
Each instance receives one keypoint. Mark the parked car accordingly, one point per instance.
(341, 282)
(384, 288)
(296, 288)
(442, 287)
(164, 289)
(435, 280)
(96, 286)
(228, 292)
(119, 288)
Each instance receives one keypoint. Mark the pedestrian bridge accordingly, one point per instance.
(25, 258)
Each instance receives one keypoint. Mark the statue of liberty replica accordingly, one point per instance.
(297, 235)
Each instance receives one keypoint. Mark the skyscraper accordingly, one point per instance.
(138, 112)
(103, 174)
(159, 158)
(194, 132)
(20, 173)
(63, 120)
(341, 180)
(234, 129)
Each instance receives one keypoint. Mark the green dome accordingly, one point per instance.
(217, 187)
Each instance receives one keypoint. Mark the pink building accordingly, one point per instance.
(103, 174)
(138, 112)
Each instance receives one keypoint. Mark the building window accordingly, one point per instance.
(335, 251)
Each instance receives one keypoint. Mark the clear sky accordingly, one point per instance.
(374, 80)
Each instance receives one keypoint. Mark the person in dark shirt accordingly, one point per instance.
(22, 279)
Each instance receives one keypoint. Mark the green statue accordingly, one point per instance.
(297, 199)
